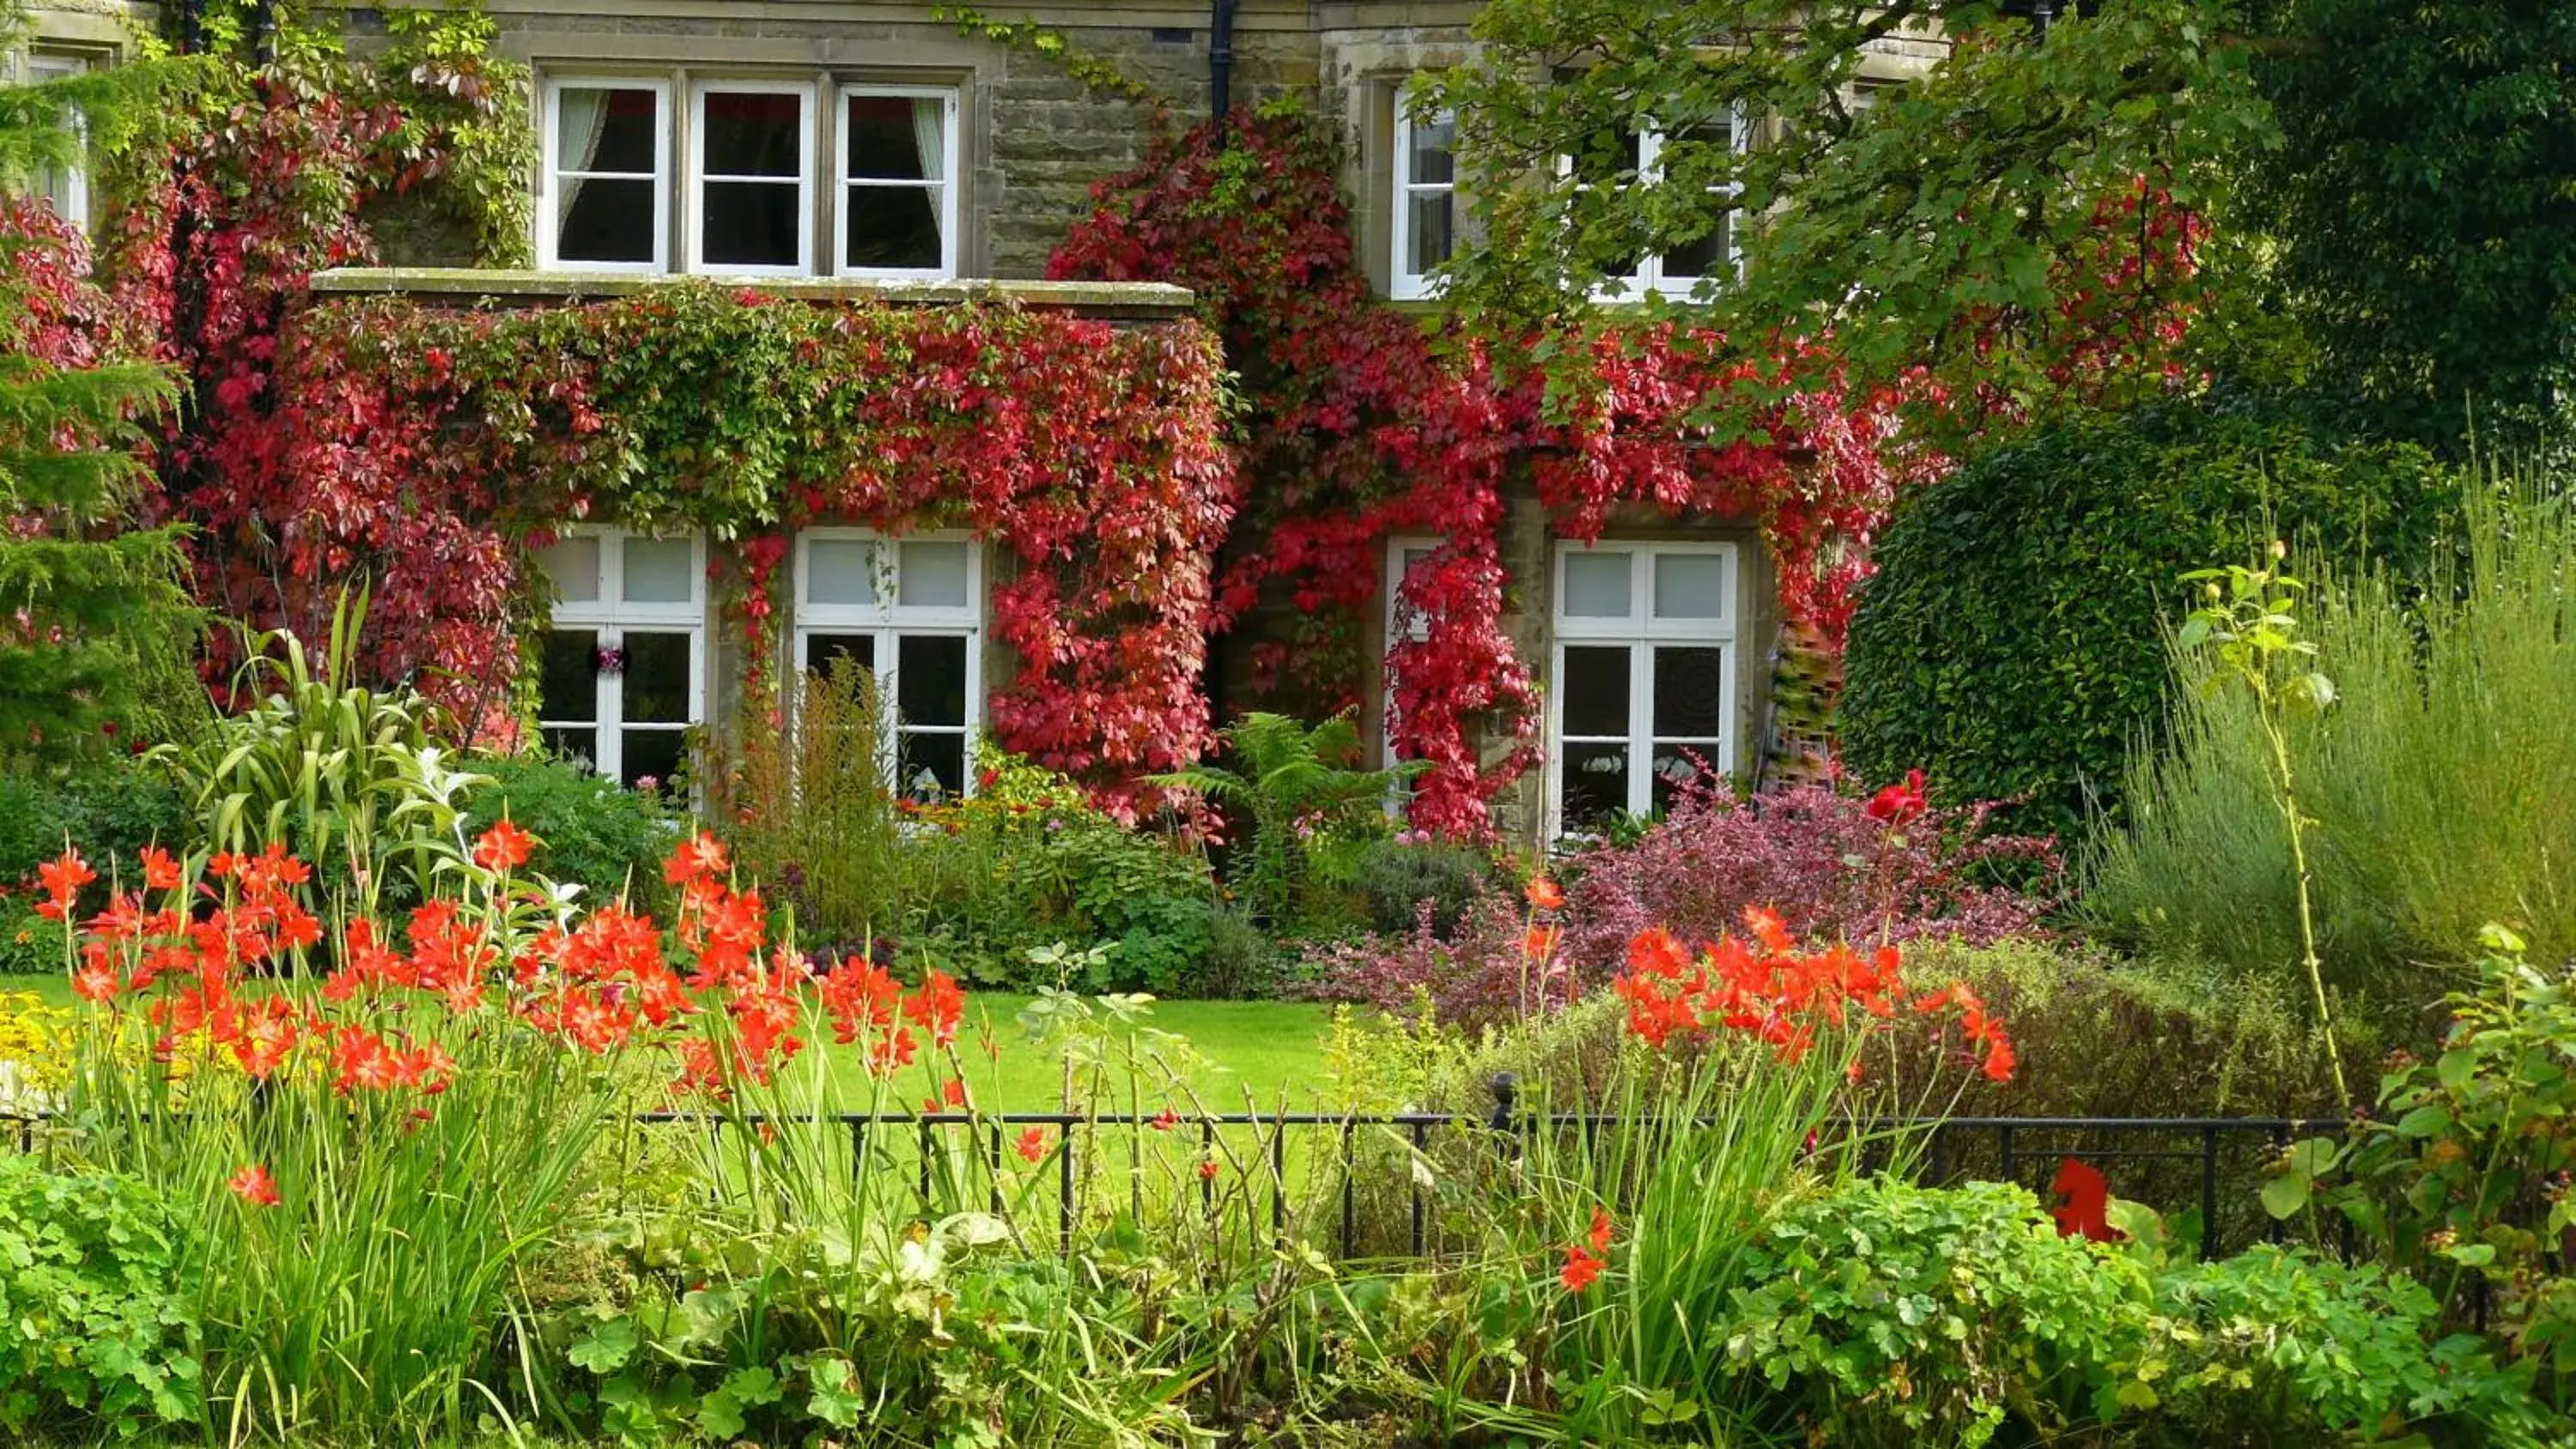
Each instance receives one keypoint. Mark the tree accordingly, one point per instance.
(2021, 227)
(95, 617)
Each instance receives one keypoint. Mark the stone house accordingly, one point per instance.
(831, 146)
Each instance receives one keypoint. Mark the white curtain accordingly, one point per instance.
(583, 119)
(930, 143)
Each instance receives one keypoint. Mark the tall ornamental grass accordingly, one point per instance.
(2437, 782)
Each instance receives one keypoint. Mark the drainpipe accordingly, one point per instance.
(1220, 67)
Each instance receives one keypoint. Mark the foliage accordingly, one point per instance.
(100, 623)
(1312, 814)
(2461, 1176)
(114, 810)
(1831, 864)
(2426, 237)
(1396, 877)
(1360, 425)
(1892, 1314)
(1487, 968)
(2433, 783)
(808, 807)
(2011, 642)
(1027, 863)
(587, 830)
(342, 774)
(96, 1289)
(2029, 214)
(30, 944)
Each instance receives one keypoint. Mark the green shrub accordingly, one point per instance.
(93, 1296)
(2011, 642)
(30, 944)
(1396, 876)
(588, 830)
(1885, 1313)
(2436, 784)
(808, 811)
(109, 812)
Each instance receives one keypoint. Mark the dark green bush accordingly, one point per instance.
(109, 813)
(1396, 876)
(93, 1293)
(2012, 642)
(589, 830)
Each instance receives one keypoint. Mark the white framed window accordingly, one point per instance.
(1426, 200)
(65, 187)
(605, 202)
(910, 611)
(624, 672)
(751, 178)
(1404, 624)
(896, 212)
(1636, 158)
(1644, 676)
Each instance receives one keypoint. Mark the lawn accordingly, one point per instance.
(1271, 1049)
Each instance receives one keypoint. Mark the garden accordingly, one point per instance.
(2143, 1012)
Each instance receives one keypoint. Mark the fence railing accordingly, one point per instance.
(2207, 1166)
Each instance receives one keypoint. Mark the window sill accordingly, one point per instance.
(1155, 301)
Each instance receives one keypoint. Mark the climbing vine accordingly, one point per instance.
(1364, 423)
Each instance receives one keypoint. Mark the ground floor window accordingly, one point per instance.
(623, 675)
(1645, 672)
(910, 612)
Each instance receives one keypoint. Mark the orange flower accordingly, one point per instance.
(695, 860)
(1538, 943)
(503, 847)
(63, 878)
(1999, 1057)
(1544, 894)
(253, 1185)
(1580, 1268)
(1600, 1234)
(160, 869)
(938, 1007)
(1032, 1144)
(95, 982)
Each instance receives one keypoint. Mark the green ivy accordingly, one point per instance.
(94, 1328)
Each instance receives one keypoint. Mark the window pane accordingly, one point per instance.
(1690, 693)
(1429, 219)
(933, 764)
(660, 571)
(657, 678)
(753, 133)
(840, 571)
(891, 226)
(568, 675)
(579, 745)
(605, 221)
(1594, 785)
(930, 679)
(932, 576)
(572, 565)
(1608, 157)
(823, 651)
(1595, 690)
(751, 224)
(1432, 159)
(1690, 586)
(1710, 254)
(649, 755)
(897, 138)
(1596, 585)
(603, 128)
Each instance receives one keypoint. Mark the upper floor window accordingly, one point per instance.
(623, 675)
(1426, 200)
(65, 187)
(1642, 694)
(1637, 156)
(910, 611)
(737, 170)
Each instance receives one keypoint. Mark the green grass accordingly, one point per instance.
(1271, 1049)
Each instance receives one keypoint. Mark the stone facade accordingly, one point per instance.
(1030, 142)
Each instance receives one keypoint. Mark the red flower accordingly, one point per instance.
(1899, 804)
(503, 847)
(1032, 1144)
(1168, 1120)
(1207, 1170)
(1580, 1268)
(160, 869)
(1600, 1234)
(2086, 1210)
(987, 778)
(1544, 894)
(63, 878)
(95, 982)
(253, 1185)
(1999, 1057)
(938, 1007)
(699, 858)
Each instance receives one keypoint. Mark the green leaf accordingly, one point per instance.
(2284, 1196)
(606, 1348)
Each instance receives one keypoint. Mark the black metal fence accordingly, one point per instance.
(2207, 1167)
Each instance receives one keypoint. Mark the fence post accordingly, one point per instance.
(1506, 1087)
